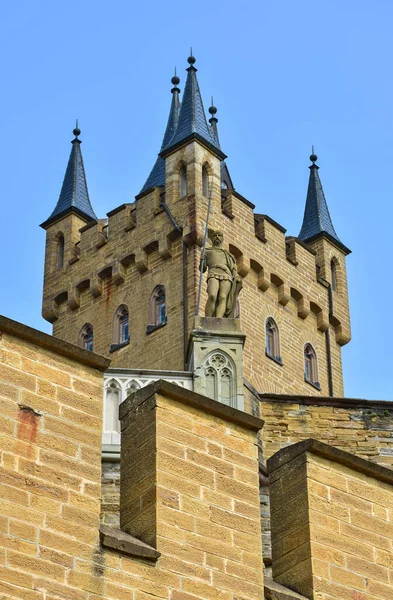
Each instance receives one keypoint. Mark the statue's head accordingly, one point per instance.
(217, 238)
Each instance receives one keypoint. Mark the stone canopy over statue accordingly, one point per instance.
(223, 281)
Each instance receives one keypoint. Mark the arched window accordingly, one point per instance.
(311, 366)
(157, 308)
(272, 340)
(220, 378)
(333, 274)
(205, 182)
(111, 426)
(60, 251)
(183, 181)
(86, 337)
(121, 333)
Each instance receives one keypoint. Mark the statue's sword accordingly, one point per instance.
(204, 248)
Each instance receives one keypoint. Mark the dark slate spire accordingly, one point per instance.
(192, 118)
(157, 174)
(74, 195)
(317, 220)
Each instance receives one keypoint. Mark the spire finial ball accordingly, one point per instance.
(76, 132)
(313, 158)
(175, 80)
(212, 110)
(191, 60)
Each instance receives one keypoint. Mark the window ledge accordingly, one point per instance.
(315, 384)
(151, 328)
(114, 347)
(277, 359)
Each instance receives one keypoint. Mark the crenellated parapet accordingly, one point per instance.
(137, 235)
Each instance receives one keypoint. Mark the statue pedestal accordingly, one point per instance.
(216, 358)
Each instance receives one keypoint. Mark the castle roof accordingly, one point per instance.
(192, 118)
(317, 220)
(74, 195)
(187, 121)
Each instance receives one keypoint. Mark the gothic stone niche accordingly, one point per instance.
(219, 373)
(216, 359)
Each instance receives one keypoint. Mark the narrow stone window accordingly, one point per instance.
(60, 251)
(205, 182)
(157, 309)
(86, 337)
(123, 326)
(183, 181)
(333, 273)
(111, 427)
(224, 185)
(121, 333)
(272, 340)
(311, 366)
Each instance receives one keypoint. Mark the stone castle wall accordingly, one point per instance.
(208, 538)
(332, 524)
(50, 448)
(362, 427)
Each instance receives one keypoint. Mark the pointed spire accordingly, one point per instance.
(157, 174)
(317, 220)
(192, 118)
(74, 195)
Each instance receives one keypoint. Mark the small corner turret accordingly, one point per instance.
(72, 212)
(319, 233)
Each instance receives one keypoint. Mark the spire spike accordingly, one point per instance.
(76, 131)
(317, 220)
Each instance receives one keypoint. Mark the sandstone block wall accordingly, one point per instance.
(50, 449)
(50, 465)
(362, 427)
(190, 487)
(332, 530)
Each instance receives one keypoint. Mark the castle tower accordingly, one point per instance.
(72, 212)
(128, 287)
(319, 233)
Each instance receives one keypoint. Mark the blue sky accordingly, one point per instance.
(284, 75)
